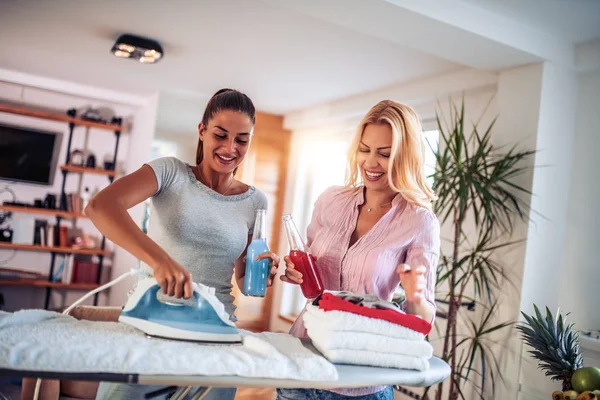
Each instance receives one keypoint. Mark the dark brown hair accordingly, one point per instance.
(225, 100)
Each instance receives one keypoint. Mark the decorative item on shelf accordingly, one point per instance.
(108, 162)
(77, 239)
(6, 233)
(74, 236)
(100, 114)
(50, 201)
(91, 161)
(77, 158)
(85, 198)
(38, 203)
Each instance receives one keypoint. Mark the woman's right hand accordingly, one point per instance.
(173, 278)
(292, 275)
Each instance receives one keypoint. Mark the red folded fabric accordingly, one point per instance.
(329, 302)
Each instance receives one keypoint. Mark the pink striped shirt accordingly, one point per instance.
(405, 234)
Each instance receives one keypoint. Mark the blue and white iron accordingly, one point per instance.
(201, 318)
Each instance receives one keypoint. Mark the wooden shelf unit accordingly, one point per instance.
(70, 117)
(43, 211)
(49, 115)
(52, 249)
(47, 284)
(86, 170)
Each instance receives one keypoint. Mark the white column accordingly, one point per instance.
(536, 110)
(579, 285)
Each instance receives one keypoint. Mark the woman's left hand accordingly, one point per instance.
(273, 262)
(413, 282)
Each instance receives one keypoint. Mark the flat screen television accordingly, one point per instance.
(28, 155)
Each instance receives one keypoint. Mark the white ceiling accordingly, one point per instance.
(282, 59)
(575, 20)
(287, 55)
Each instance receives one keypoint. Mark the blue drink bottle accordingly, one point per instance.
(257, 272)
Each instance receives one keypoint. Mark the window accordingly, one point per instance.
(321, 163)
(432, 142)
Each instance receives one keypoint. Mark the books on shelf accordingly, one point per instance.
(50, 235)
(58, 274)
(84, 270)
(40, 233)
(76, 269)
(74, 203)
(67, 274)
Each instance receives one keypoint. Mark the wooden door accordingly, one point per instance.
(265, 167)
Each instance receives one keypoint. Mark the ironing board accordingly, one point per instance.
(350, 376)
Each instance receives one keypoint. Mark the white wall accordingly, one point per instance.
(580, 276)
(182, 146)
(519, 94)
(134, 148)
(421, 94)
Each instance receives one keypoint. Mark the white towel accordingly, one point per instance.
(38, 340)
(345, 321)
(347, 340)
(373, 358)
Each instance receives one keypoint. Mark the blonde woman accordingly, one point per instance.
(378, 230)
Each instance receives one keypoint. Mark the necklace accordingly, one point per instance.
(379, 206)
(203, 180)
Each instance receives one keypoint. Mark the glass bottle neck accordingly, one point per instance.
(294, 239)
(260, 225)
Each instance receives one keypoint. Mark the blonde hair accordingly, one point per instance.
(407, 157)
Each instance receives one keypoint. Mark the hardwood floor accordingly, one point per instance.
(255, 394)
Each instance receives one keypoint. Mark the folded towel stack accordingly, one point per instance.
(347, 337)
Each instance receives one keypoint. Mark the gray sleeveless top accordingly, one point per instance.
(199, 228)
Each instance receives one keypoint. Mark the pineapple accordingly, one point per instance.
(555, 345)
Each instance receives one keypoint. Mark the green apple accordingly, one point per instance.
(586, 378)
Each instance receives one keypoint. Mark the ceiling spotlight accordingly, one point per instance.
(122, 54)
(144, 50)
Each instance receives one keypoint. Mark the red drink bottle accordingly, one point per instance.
(303, 260)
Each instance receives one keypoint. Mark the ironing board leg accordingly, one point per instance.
(200, 393)
(180, 393)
